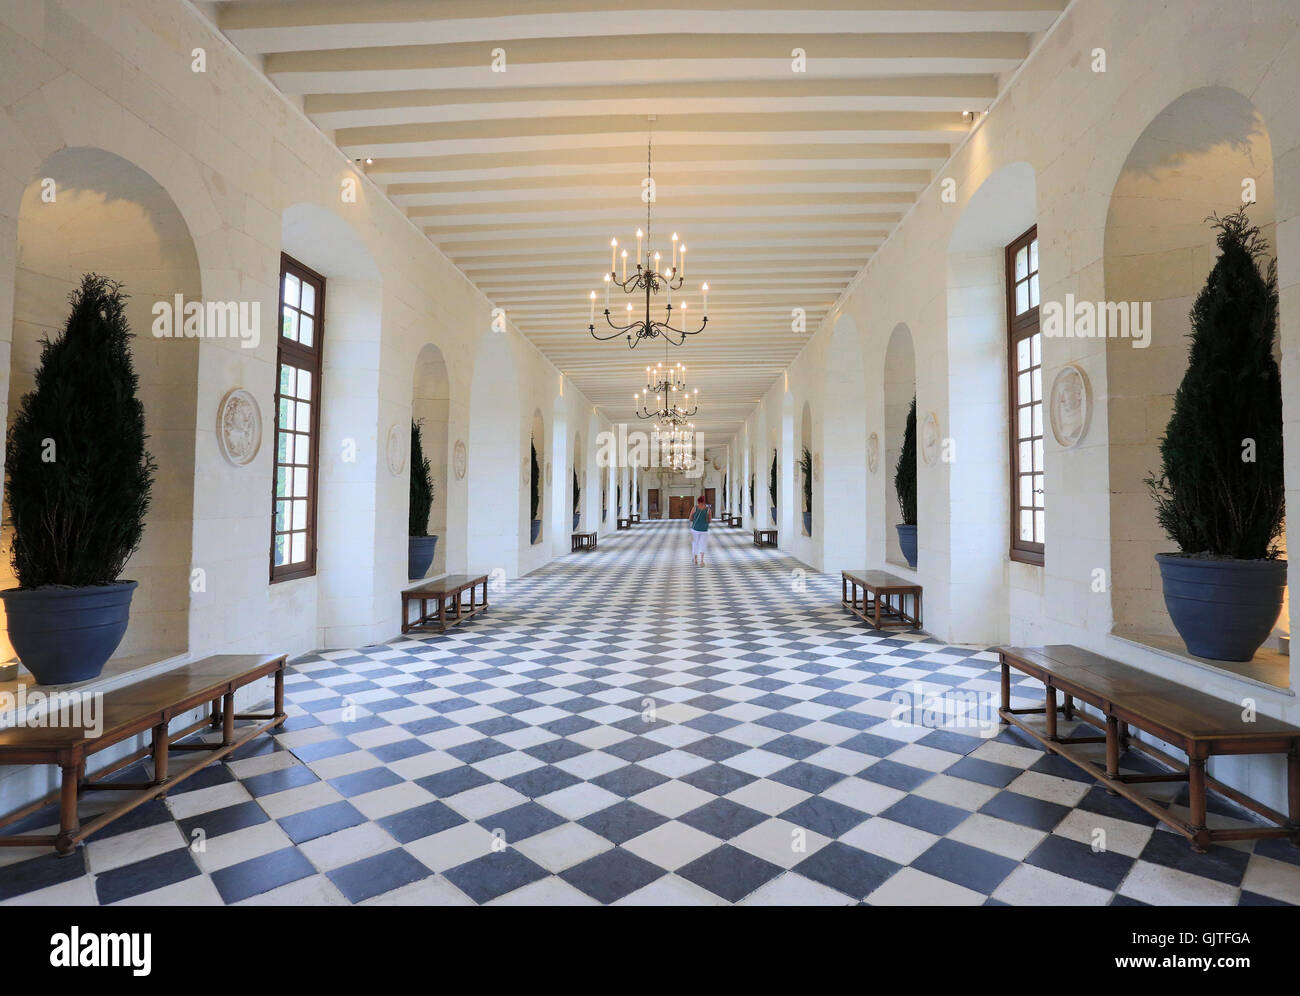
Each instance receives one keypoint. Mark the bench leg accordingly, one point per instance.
(160, 755)
(1112, 751)
(1051, 713)
(1006, 687)
(69, 821)
(228, 719)
(1068, 708)
(1196, 803)
(216, 713)
(279, 698)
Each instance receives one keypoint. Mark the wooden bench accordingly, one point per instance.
(636, 517)
(446, 592)
(726, 518)
(624, 522)
(738, 521)
(884, 599)
(1197, 724)
(765, 537)
(583, 541)
(146, 706)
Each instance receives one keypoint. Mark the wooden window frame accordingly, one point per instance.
(1019, 327)
(307, 358)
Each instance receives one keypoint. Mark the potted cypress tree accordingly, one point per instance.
(905, 488)
(751, 494)
(78, 488)
(771, 486)
(577, 499)
(421, 545)
(1220, 493)
(805, 467)
(534, 493)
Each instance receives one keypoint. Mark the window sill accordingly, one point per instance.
(1268, 669)
(1026, 557)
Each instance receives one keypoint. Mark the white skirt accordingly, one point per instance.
(699, 541)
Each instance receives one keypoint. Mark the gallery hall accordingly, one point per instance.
(394, 514)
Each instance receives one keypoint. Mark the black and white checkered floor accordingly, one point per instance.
(623, 727)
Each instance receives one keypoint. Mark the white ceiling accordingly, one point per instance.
(782, 183)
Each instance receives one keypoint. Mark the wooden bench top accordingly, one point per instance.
(590, 533)
(1150, 699)
(880, 580)
(173, 692)
(449, 584)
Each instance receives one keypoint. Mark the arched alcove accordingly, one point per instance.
(842, 497)
(899, 389)
(107, 215)
(354, 543)
(807, 485)
(535, 461)
(577, 483)
(430, 401)
(498, 482)
(1002, 209)
(1189, 162)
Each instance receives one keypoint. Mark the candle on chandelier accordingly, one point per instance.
(624, 266)
(704, 288)
(682, 266)
(674, 250)
(593, 307)
(639, 235)
(613, 250)
(608, 280)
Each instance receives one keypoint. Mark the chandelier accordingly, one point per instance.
(647, 279)
(671, 383)
(676, 446)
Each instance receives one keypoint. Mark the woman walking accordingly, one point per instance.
(699, 531)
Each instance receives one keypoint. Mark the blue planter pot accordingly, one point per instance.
(807, 523)
(907, 543)
(64, 635)
(1223, 609)
(536, 530)
(773, 508)
(419, 555)
(577, 516)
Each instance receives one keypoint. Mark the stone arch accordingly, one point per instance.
(1002, 209)
(842, 498)
(430, 407)
(899, 374)
(497, 509)
(110, 216)
(1188, 162)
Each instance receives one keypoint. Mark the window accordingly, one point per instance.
(297, 422)
(1025, 402)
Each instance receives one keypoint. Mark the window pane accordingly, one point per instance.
(1024, 424)
(299, 483)
(1040, 533)
(283, 448)
(291, 289)
(289, 324)
(1026, 491)
(302, 449)
(305, 326)
(1026, 450)
(1038, 455)
(285, 418)
(1036, 344)
(1038, 422)
(303, 421)
(1038, 383)
(309, 292)
(1033, 292)
(304, 384)
(1038, 491)
(1022, 263)
(1022, 355)
(281, 482)
(281, 546)
(1022, 298)
(286, 380)
(1033, 259)
(299, 515)
(1027, 526)
(299, 547)
(1022, 388)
